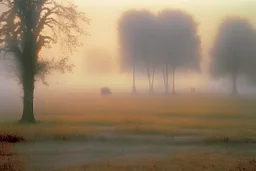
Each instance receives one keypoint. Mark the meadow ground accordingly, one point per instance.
(206, 161)
(83, 129)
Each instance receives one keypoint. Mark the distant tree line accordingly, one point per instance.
(169, 41)
(166, 42)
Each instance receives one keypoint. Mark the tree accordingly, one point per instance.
(126, 27)
(27, 27)
(179, 43)
(169, 39)
(233, 50)
(146, 44)
(135, 28)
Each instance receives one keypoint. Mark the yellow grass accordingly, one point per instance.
(202, 161)
(162, 115)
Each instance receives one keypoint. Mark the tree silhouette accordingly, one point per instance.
(233, 49)
(179, 43)
(135, 28)
(147, 46)
(127, 32)
(28, 26)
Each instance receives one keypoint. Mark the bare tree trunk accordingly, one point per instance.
(149, 78)
(28, 79)
(28, 105)
(149, 82)
(133, 79)
(164, 76)
(167, 79)
(153, 81)
(234, 82)
(173, 80)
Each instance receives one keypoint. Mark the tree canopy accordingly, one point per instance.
(169, 39)
(233, 50)
(180, 43)
(28, 26)
(45, 22)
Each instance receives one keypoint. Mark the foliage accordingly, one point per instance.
(44, 22)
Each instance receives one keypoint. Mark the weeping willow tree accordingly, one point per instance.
(27, 27)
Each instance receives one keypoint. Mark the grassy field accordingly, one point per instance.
(185, 115)
(206, 161)
(83, 132)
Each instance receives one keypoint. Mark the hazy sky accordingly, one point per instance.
(104, 15)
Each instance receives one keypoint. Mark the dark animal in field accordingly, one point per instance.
(105, 91)
(192, 90)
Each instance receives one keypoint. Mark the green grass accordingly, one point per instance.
(141, 115)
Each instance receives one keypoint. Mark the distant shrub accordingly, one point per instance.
(11, 138)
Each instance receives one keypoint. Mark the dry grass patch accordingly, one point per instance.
(246, 166)
(9, 161)
(203, 161)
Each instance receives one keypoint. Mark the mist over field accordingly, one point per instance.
(127, 85)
